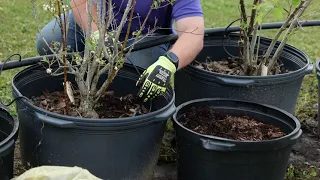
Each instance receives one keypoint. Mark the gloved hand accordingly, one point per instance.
(156, 79)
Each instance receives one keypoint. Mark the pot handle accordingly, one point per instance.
(166, 115)
(309, 69)
(54, 121)
(237, 82)
(210, 144)
(297, 136)
(6, 149)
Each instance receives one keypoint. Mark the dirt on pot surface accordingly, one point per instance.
(232, 66)
(109, 106)
(18, 167)
(205, 120)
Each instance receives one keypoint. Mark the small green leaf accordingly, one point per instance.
(244, 26)
(155, 4)
(259, 18)
(278, 12)
(295, 2)
(313, 172)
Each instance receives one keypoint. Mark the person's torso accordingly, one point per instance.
(159, 18)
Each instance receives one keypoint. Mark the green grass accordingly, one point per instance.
(18, 33)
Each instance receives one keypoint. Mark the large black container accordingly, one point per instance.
(9, 126)
(278, 90)
(209, 157)
(123, 148)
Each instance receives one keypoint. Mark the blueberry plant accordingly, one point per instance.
(104, 53)
(253, 63)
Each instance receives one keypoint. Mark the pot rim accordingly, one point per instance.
(14, 130)
(317, 64)
(90, 120)
(288, 48)
(292, 133)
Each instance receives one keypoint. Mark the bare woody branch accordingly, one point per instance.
(253, 28)
(245, 41)
(113, 73)
(282, 29)
(289, 31)
(253, 16)
(86, 57)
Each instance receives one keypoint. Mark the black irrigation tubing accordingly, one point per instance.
(220, 31)
(161, 40)
(26, 62)
(5, 61)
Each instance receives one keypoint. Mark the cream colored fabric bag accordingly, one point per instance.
(56, 173)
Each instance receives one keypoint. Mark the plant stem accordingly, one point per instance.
(86, 57)
(253, 44)
(245, 54)
(253, 28)
(121, 25)
(141, 28)
(63, 33)
(253, 16)
(283, 27)
(289, 31)
(106, 84)
(128, 30)
(102, 31)
(98, 71)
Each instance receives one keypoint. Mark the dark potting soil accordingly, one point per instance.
(205, 120)
(232, 66)
(109, 106)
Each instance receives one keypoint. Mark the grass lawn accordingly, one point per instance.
(18, 31)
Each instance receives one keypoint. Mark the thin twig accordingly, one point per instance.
(63, 35)
(45, 41)
(253, 28)
(283, 27)
(86, 57)
(245, 54)
(111, 76)
(253, 16)
(289, 31)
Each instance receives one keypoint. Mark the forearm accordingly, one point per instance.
(190, 41)
(187, 47)
(80, 14)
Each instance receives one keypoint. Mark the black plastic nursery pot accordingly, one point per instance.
(280, 90)
(209, 157)
(120, 148)
(9, 126)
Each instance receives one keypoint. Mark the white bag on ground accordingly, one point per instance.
(56, 173)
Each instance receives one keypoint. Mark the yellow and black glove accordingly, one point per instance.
(156, 79)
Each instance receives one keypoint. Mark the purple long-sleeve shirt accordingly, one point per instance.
(162, 18)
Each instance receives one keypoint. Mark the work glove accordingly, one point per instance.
(156, 79)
